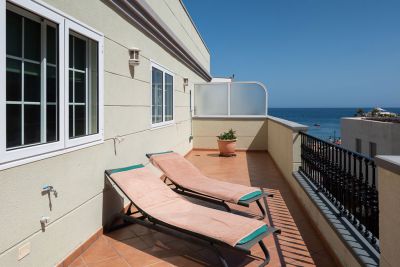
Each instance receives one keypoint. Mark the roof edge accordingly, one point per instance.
(150, 24)
(194, 25)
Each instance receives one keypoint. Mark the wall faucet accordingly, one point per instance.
(47, 189)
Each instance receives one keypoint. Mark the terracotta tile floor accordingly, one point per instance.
(298, 245)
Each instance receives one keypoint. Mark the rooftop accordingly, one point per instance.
(298, 245)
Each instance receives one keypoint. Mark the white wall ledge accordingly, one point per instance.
(222, 117)
(390, 163)
(296, 127)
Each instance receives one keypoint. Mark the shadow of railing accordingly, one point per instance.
(297, 237)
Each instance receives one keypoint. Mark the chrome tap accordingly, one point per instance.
(47, 189)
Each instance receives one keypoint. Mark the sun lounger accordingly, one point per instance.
(164, 210)
(189, 181)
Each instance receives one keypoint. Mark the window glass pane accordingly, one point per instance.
(94, 87)
(13, 80)
(32, 39)
(83, 88)
(79, 54)
(51, 45)
(80, 120)
(51, 82)
(211, 99)
(32, 82)
(13, 125)
(157, 95)
(71, 86)
(71, 120)
(31, 124)
(169, 90)
(247, 99)
(51, 123)
(80, 87)
(71, 51)
(14, 34)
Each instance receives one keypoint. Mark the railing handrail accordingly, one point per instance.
(347, 179)
(339, 147)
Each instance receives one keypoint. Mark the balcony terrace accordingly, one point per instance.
(298, 245)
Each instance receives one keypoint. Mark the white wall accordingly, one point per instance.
(386, 135)
(83, 204)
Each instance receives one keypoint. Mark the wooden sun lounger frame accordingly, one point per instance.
(152, 223)
(194, 194)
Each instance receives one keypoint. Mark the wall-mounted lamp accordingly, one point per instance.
(185, 83)
(134, 56)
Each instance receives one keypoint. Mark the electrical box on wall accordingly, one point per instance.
(24, 250)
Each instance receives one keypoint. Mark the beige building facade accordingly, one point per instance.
(370, 137)
(128, 122)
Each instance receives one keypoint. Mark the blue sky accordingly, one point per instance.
(309, 53)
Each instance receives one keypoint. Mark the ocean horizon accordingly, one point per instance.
(328, 119)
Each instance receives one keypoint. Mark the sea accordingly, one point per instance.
(328, 119)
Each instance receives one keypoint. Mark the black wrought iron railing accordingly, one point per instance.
(347, 179)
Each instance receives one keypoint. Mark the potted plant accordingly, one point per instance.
(227, 143)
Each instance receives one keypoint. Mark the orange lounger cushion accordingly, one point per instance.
(156, 199)
(182, 172)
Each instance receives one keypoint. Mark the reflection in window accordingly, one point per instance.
(162, 101)
(31, 77)
(83, 86)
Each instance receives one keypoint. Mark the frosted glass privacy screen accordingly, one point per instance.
(211, 99)
(248, 99)
(237, 99)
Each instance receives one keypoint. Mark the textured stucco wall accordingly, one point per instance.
(251, 132)
(84, 204)
(389, 219)
(172, 13)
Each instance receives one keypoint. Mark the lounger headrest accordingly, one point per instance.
(124, 169)
(148, 155)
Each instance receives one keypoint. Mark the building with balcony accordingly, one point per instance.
(88, 86)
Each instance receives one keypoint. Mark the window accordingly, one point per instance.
(372, 149)
(52, 79)
(230, 99)
(358, 145)
(31, 79)
(162, 96)
(83, 84)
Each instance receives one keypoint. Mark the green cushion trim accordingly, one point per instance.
(124, 169)
(253, 235)
(159, 153)
(251, 195)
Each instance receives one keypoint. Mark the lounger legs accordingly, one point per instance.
(220, 257)
(267, 257)
(266, 253)
(261, 208)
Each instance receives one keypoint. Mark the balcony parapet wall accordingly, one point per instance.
(348, 247)
(389, 208)
(251, 132)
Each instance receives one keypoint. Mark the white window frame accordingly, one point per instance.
(164, 71)
(37, 149)
(77, 28)
(22, 155)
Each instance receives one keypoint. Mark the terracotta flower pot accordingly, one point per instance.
(227, 147)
